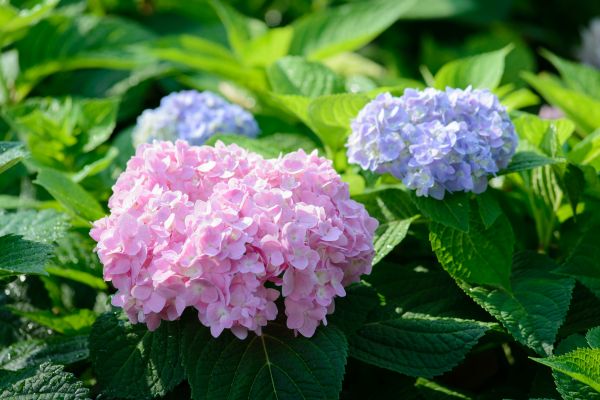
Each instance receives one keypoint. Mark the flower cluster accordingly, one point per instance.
(434, 141)
(220, 229)
(193, 116)
(589, 52)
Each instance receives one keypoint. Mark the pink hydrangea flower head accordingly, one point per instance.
(227, 232)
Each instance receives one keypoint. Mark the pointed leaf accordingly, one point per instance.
(44, 382)
(20, 256)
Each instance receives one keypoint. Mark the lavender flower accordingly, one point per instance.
(194, 117)
(589, 53)
(434, 141)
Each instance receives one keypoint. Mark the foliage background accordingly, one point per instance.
(465, 292)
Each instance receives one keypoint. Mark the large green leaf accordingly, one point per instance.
(587, 152)
(389, 235)
(72, 196)
(275, 365)
(581, 108)
(453, 211)
(416, 345)
(10, 154)
(535, 307)
(330, 117)
(64, 42)
(345, 28)
(20, 256)
(46, 381)
(481, 71)
(536, 131)
(388, 205)
(58, 350)
(582, 365)
(352, 310)
(132, 362)
(479, 256)
(526, 160)
(240, 29)
(579, 77)
(422, 290)
(583, 263)
(297, 76)
(43, 226)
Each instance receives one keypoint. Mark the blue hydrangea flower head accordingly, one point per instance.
(434, 141)
(193, 116)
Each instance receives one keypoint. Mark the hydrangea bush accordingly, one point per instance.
(386, 209)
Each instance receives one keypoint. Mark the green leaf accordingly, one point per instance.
(593, 337)
(77, 276)
(481, 71)
(73, 323)
(268, 146)
(479, 256)
(29, 353)
(422, 290)
(526, 160)
(240, 29)
(352, 310)
(64, 43)
(429, 9)
(489, 209)
(132, 362)
(264, 50)
(453, 211)
(569, 388)
(536, 130)
(72, 196)
(583, 261)
(582, 365)
(20, 256)
(535, 307)
(330, 117)
(433, 390)
(297, 76)
(345, 28)
(275, 365)
(416, 345)
(582, 109)
(45, 226)
(587, 151)
(15, 21)
(58, 130)
(579, 77)
(10, 154)
(389, 235)
(44, 382)
(388, 205)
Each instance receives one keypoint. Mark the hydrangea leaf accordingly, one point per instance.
(453, 211)
(593, 337)
(273, 365)
(345, 28)
(20, 256)
(483, 71)
(43, 226)
(587, 151)
(433, 390)
(59, 350)
(13, 21)
(388, 205)
(73, 323)
(579, 77)
(132, 362)
(423, 290)
(352, 311)
(10, 154)
(330, 116)
(297, 76)
(535, 130)
(416, 345)
(535, 307)
(579, 107)
(569, 388)
(489, 209)
(389, 235)
(44, 382)
(581, 364)
(582, 263)
(270, 146)
(526, 160)
(240, 29)
(72, 196)
(480, 256)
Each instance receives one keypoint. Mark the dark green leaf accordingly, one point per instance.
(479, 256)
(275, 365)
(453, 211)
(132, 362)
(389, 235)
(20, 256)
(58, 350)
(44, 382)
(526, 160)
(535, 307)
